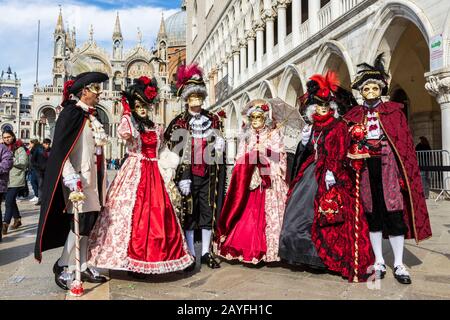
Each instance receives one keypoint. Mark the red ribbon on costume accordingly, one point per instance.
(126, 106)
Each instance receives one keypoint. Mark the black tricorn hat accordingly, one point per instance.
(86, 78)
(375, 73)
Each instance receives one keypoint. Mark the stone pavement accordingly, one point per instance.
(21, 277)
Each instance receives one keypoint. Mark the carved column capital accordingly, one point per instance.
(438, 85)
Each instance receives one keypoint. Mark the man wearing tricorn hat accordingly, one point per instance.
(391, 188)
(196, 134)
(76, 164)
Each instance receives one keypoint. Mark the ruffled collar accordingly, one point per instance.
(324, 121)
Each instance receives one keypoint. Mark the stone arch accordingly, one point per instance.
(405, 42)
(47, 121)
(8, 126)
(334, 56)
(266, 90)
(141, 60)
(291, 84)
(104, 117)
(383, 20)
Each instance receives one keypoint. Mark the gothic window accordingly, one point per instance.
(117, 49)
(59, 50)
(8, 109)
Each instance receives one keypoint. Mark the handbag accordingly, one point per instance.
(330, 208)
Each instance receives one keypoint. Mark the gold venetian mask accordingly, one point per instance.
(95, 88)
(258, 120)
(141, 109)
(371, 91)
(195, 100)
(322, 110)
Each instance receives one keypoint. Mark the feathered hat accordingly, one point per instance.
(375, 73)
(320, 90)
(190, 80)
(143, 89)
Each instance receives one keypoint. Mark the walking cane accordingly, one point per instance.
(357, 153)
(76, 288)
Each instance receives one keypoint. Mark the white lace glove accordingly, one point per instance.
(306, 134)
(329, 179)
(219, 145)
(185, 187)
(72, 181)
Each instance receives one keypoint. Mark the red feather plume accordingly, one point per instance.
(186, 72)
(67, 85)
(328, 83)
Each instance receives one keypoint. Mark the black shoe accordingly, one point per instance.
(57, 270)
(38, 203)
(210, 261)
(403, 276)
(61, 282)
(379, 270)
(191, 267)
(89, 276)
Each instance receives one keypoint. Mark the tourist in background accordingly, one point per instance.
(16, 179)
(424, 160)
(6, 163)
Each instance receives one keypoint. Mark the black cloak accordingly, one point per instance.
(54, 222)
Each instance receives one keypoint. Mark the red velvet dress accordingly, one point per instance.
(155, 234)
(138, 229)
(337, 244)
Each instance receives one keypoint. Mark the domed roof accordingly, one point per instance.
(176, 29)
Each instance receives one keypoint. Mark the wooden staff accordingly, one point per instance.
(76, 288)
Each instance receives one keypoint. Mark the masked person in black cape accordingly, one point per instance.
(76, 163)
(197, 135)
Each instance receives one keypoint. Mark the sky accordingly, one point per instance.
(19, 25)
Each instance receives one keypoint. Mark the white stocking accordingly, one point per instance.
(206, 241)
(376, 239)
(397, 244)
(64, 260)
(83, 252)
(190, 241)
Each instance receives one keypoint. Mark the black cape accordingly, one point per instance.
(54, 222)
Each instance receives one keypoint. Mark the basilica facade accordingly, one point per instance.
(268, 48)
(122, 67)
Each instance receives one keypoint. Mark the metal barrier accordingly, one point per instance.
(435, 165)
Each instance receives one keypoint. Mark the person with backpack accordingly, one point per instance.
(16, 180)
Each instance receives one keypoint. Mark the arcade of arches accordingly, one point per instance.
(407, 59)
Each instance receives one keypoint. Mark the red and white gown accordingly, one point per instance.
(249, 226)
(138, 229)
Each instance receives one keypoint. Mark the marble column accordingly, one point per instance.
(259, 47)
(281, 28)
(438, 85)
(243, 59)
(230, 71)
(313, 16)
(296, 21)
(236, 70)
(251, 52)
(270, 37)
